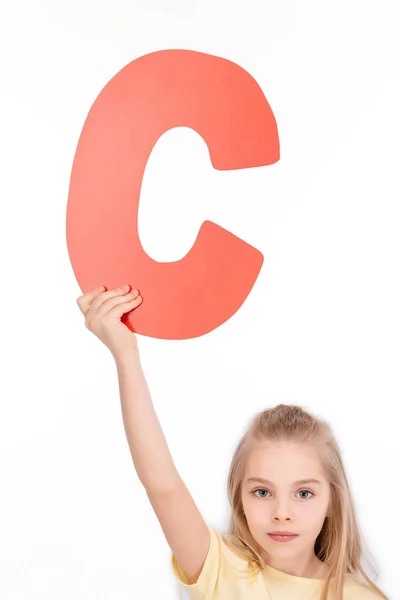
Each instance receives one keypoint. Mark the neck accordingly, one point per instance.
(308, 566)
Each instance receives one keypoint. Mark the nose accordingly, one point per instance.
(282, 511)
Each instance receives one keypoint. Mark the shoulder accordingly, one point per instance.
(228, 550)
(356, 590)
(222, 567)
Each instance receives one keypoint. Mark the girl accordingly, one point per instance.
(293, 531)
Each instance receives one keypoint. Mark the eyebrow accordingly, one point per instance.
(267, 482)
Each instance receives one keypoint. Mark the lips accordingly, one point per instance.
(284, 536)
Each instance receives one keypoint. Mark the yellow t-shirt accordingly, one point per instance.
(223, 577)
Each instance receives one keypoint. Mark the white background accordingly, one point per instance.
(320, 328)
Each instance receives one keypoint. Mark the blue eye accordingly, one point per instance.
(307, 492)
(260, 490)
(267, 492)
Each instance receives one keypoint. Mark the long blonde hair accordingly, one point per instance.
(339, 543)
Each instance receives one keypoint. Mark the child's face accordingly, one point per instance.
(283, 505)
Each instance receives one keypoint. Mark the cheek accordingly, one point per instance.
(313, 515)
(256, 511)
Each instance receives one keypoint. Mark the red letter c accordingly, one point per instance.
(159, 91)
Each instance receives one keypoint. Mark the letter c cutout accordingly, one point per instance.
(152, 94)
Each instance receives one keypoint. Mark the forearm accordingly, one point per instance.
(150, 453)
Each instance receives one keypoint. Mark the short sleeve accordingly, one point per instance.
(204, 587)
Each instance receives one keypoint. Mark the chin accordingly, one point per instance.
(292, 548)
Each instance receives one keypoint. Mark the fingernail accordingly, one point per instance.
(123, 288)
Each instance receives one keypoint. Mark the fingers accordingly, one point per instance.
(99, 299)
(124, 307)
(113, 302)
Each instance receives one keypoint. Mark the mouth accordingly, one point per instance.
(283, 537)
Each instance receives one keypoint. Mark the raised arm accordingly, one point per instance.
(184, 528)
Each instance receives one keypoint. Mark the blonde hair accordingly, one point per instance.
(339, 543)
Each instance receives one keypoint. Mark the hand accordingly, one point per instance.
(103, 311)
